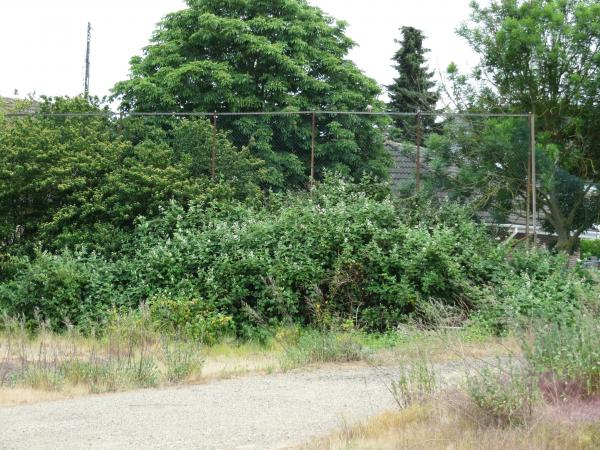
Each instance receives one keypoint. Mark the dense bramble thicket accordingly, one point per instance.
(94, 220)
(341, 252)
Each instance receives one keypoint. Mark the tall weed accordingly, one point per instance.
(129, 354)
(566, 356)
(503, 396)
(314, 347)
(418, 381)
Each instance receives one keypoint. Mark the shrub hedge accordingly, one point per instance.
(342, 251)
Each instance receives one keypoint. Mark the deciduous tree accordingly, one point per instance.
(73, 180)
(277, 55)
(542, 56)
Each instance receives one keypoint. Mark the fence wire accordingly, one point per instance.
(489, 161)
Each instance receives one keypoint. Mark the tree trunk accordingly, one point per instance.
(566, 242)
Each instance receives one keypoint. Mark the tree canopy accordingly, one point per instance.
(243, 56)
(67, 181)
(542, 56)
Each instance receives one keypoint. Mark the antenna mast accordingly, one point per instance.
(86, 84)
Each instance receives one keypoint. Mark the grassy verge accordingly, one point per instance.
(130, 354)
(126, 356)
(548, 397)
(438, 425)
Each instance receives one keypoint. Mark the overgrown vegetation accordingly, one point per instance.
(590, 248)
(75, 181)
(135, 351)
(546, 397)
(418, 382)
(340, 252)
(503, 396)
(317, 347)
(128, 254)
(129, 354)
(566, 357)
(436, 425)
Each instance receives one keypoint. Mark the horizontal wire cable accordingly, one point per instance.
(257, 113)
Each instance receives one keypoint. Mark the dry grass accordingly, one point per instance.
(230, 359)
(449, 345)
(437, 425)
(50, 366)
(131, 344)
(22, 396)
(127, 356)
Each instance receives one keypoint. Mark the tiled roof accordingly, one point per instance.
(403, 172)
(404, 168)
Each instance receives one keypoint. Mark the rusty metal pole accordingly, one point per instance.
(418, 155)
(312, 149)
(532, 144)
(213, 158)
(528, 201)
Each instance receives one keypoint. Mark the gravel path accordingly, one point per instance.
(254, 412)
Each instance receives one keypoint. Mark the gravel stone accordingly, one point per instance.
(253, 412)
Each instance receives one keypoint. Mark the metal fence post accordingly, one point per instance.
(528, 201)
(532, 145)
(418, 155)
(312, 149)
(213, 158)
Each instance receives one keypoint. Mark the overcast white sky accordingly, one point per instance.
(43, 42)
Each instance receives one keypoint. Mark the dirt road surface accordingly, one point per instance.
(254, 412)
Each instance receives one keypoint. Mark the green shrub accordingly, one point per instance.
(72, 181)
(566, 356)
(534, 286)
(589, 248)
(71, 287)
(503, 397)
(335, 250)
(189, 318)
(341, 252)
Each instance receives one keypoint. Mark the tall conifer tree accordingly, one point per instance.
(414, 89)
